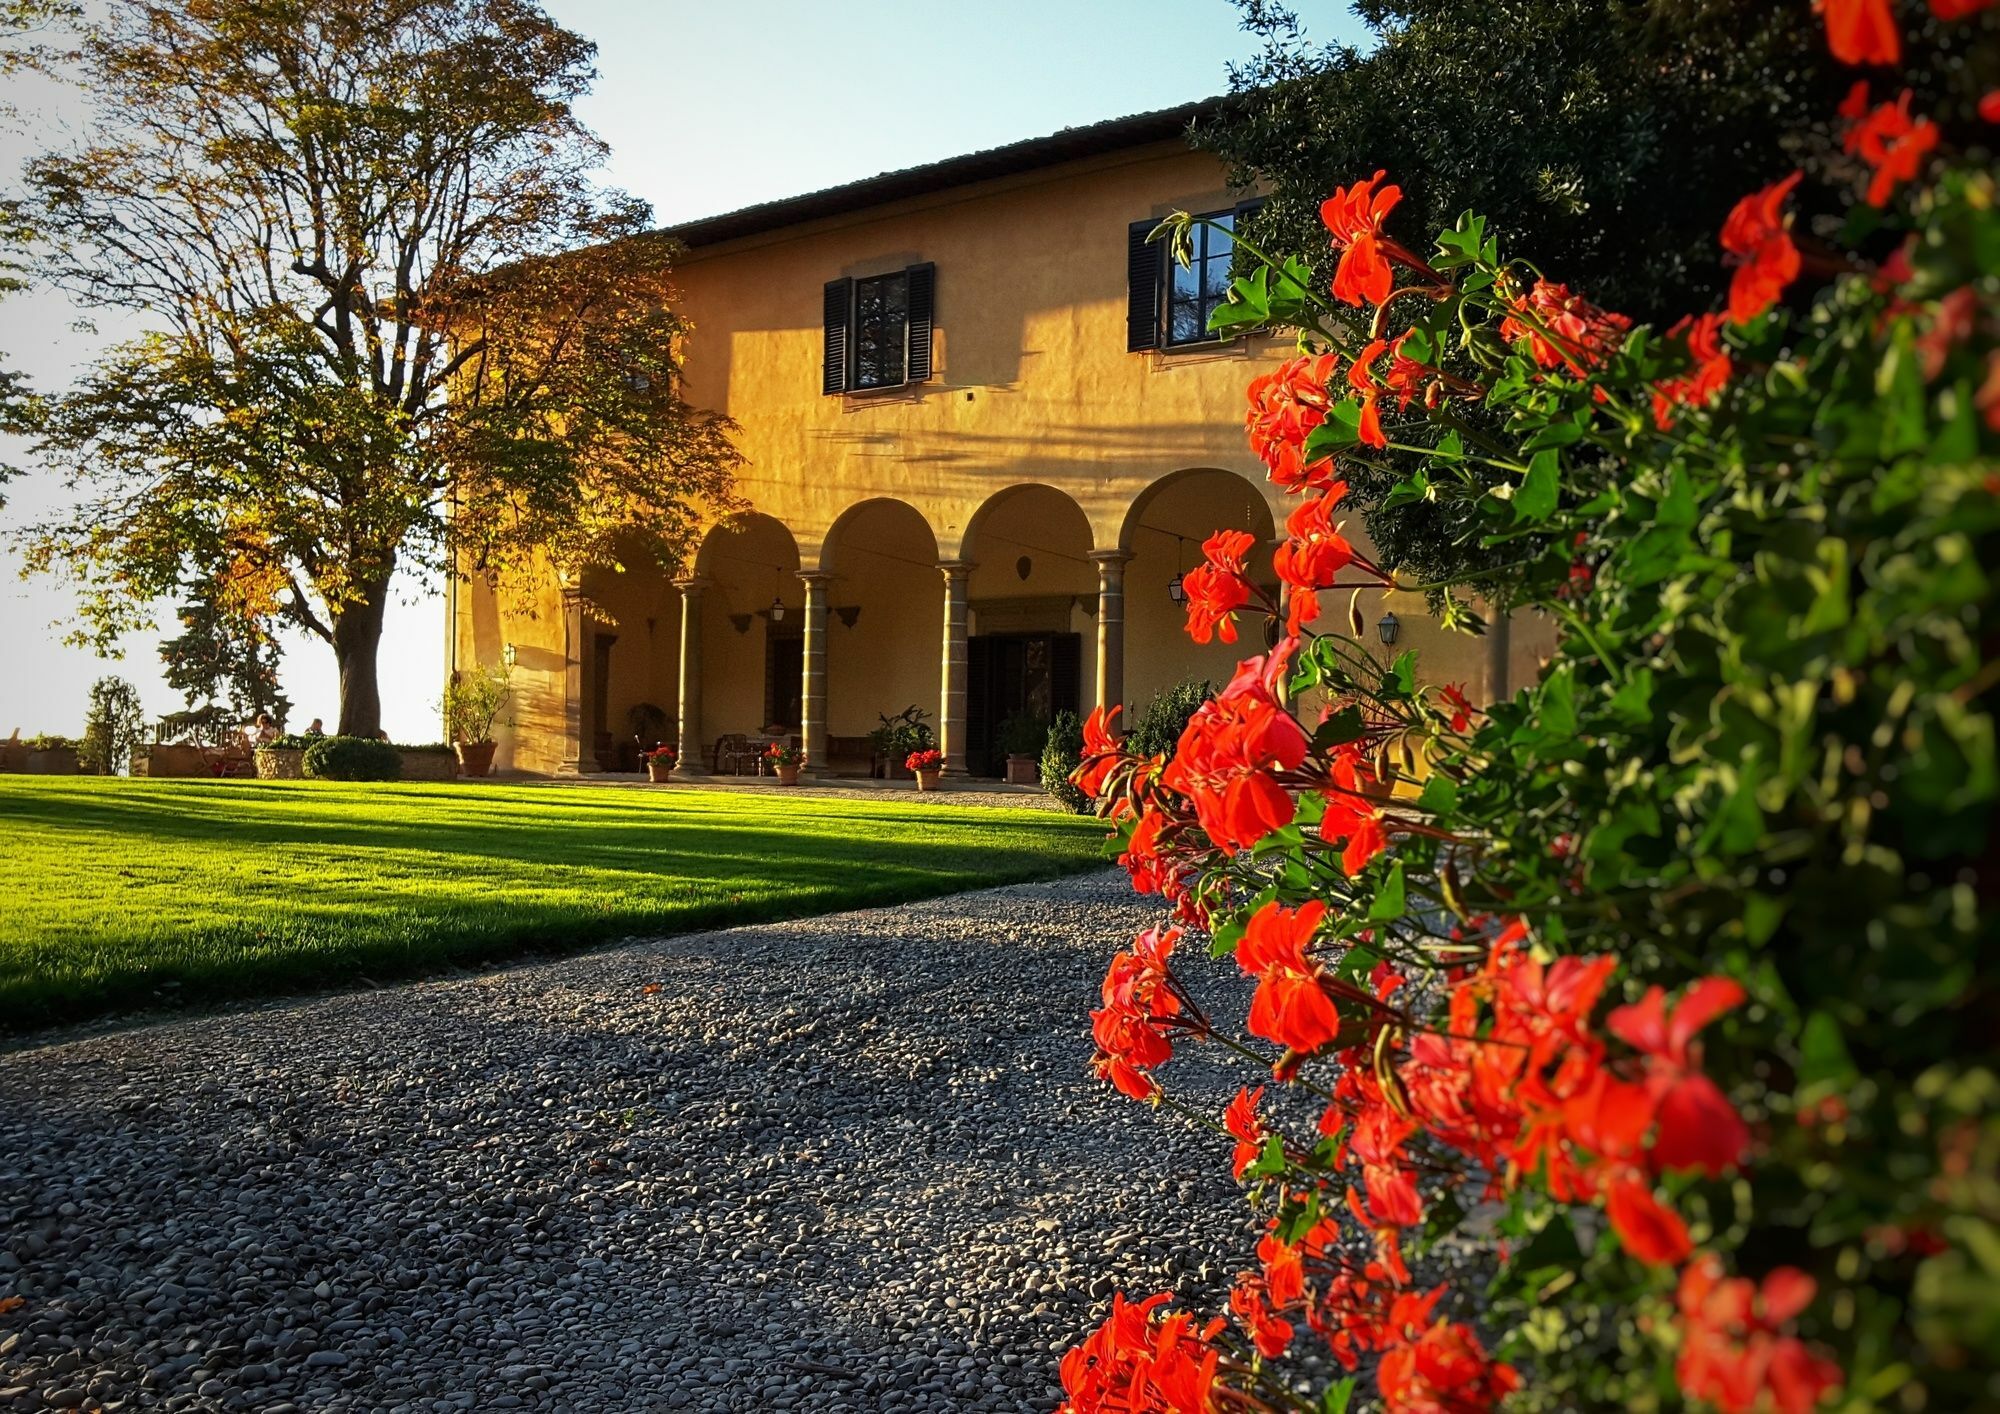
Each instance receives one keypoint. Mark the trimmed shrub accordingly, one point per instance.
(1166, 717)
(1061, 755)
(352, 758)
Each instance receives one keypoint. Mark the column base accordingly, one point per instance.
(684, 772)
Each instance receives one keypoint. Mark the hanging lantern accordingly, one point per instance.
(1177, 591)
(777, 610)
(1388, 628)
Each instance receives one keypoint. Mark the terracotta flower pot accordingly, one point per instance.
(660, 769)
(475, 758)
(1023, 770)
(788, 775)
(928, 780)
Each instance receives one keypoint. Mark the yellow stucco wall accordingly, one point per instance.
(1032, 388)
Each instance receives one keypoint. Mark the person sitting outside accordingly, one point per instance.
(267, 730)
(318, 728)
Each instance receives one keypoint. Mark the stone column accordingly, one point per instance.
(951, 678)
(687, 738)
(1111, 626)
(576, 642)
(812, 697)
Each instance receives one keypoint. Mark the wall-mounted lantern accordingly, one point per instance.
(1389, 627)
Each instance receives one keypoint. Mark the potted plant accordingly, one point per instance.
(473, 701)
(52, 756)
(660, 762)
(898, 736)
(784, 761)
(927, 766)
(1022, 737)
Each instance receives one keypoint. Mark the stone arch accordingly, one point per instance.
(751, 642)
(629, 659)
(885, 605)
(1163, 532)
(1032, 603)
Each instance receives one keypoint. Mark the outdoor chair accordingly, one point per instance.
(733, 755)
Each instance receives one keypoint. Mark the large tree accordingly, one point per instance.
(394, 321)
(1608, 137)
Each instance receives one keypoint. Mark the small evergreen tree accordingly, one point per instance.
(224, 664)
(115, 724)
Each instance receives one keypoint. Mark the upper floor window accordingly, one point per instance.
(1195, 289)
(878, 330)
(1169, 304)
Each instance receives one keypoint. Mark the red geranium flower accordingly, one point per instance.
(1889, 140)
(1313, 554)
(1140, 1360)
(1361, 378)
(1735, 1353)
(1289, 1007)
(1710, 373)
(1240, 1119)
(1226, 759)
(1699, 1128)
(1353, 216)
(1286, 405)
(1756, 235)
(1949, 10)
(1216, 588)
(1862, 31)
(1650, 1230)
(1101, 752)
(1563, 329)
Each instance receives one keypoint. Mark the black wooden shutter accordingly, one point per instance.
(922, 304)
(1143, 263)
(833, 366)
(1066, 673)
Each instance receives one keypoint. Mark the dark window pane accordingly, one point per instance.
(1197, 290)
(881, 318)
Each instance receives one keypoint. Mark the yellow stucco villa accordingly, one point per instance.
(985, 435)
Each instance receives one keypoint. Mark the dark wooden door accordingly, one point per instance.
(1037, 674)
(784, 681)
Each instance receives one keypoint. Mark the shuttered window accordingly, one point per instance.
(879, 330)
(1168, 305)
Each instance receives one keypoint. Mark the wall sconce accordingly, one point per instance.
(740, 622)
(509, 654)
(847, 613)
(1389, 627)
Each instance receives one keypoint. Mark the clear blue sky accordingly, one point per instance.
(707, 107)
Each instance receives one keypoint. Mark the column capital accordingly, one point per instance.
(693, 583)
(815, 577)
(1111, 557)
(956, 569)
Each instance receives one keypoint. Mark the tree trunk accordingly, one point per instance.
(357, 635)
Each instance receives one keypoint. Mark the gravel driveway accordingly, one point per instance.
(849, 1163)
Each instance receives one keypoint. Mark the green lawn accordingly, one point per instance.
(116, 893)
